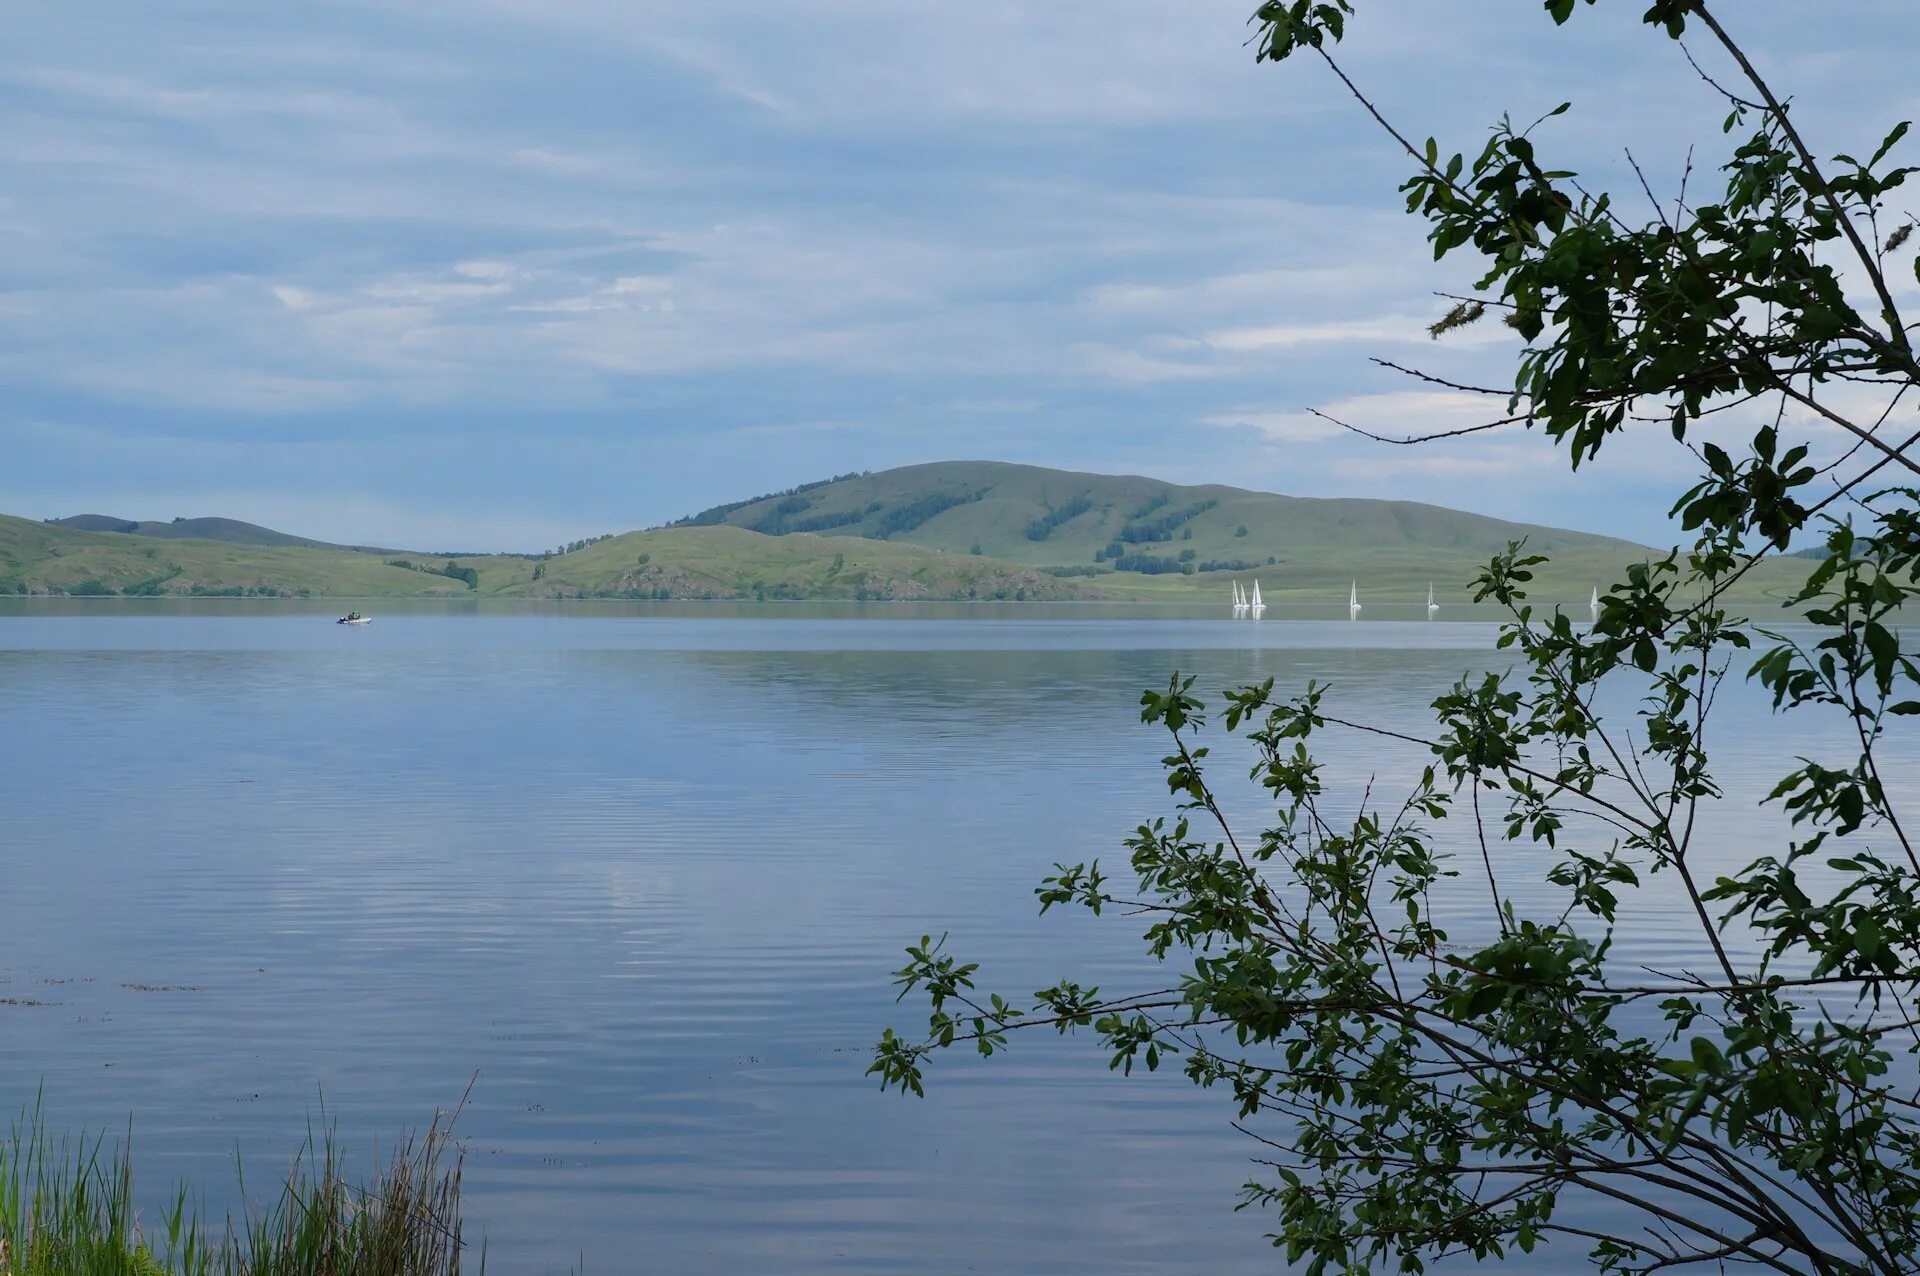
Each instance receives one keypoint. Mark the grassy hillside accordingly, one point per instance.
(708, 562)
(38, 558)
(730, 562)
(1054, 518)
(230, 530)
(954, 530)
(1297, 547)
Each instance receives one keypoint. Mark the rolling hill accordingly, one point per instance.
(229, 530)
(707, 562)
(1151, 531)
(950, 530)
(42, 558)
(1055, 518)
(731, 562)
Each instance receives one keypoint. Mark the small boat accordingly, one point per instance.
(1257, 605)
(1239, 601)
(1433, 608)
(1593, 605)
(354, 618)
(1353, 601)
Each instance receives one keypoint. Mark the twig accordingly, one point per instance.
(1422, 438)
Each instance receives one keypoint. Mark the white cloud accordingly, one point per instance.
(1136, 365)
(224, 388)
(1070, 60)
(429, 292)
(1277, 427)
(629, 285)
(1503, 460)
(614, 220)
(1254, 291)
(1393, 329)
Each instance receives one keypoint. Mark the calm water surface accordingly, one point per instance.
(645, 871)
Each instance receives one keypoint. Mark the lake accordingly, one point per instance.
(645, 871)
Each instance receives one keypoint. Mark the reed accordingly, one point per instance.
(68, 1208)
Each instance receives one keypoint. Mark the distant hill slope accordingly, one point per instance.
(1129, 536)
(953, 530)
(731, 562)
(1056, 518)
(41, 558)
(229, 530)
(705, 562)
(96, 523)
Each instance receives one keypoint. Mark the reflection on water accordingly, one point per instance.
(646, 874)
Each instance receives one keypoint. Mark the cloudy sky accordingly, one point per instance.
(497, 273)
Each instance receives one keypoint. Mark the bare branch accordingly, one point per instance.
(1423, 438)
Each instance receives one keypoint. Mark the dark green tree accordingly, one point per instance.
(1428, 1083)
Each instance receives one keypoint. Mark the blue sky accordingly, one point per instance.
(498, 273)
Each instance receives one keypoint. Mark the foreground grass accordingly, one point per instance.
(67, 1208)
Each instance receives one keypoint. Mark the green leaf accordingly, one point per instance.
(1893, 140)
(1707, 1055)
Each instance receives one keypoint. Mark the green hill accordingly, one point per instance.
(229, 530)
(707, 562)
(1025, 514)
(953, 530)
(40, 558)
(1152, 531)
(731, 562)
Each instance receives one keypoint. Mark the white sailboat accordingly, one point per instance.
(1239, 601)
(1593, 605)
(1257, 606)
(1433, 608)
(1353, 601)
